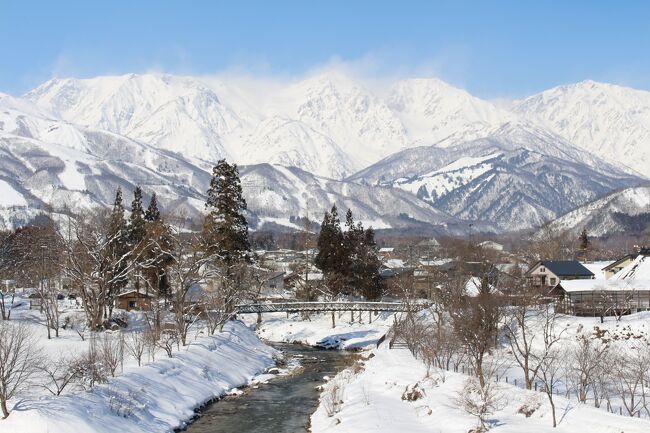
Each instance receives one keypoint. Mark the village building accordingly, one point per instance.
(134, 300)
(614, 267)
(546, 274)
(627, 291)
(386, 253)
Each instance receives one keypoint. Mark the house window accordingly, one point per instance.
(132, 304)
(272, 285)
(552, 281)
(542, 269)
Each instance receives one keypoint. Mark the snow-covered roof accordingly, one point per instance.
(473, 287)
(394, 263)
(635, 276)
(436, 262)
(491, 245)
(134, 292)
(597, 268)
(639, 269)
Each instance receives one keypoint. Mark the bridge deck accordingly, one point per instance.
(297, 307)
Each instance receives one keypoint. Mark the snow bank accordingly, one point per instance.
(318, 331)
(158, 397)
(372, 402)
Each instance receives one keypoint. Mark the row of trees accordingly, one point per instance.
(490, 335)
(348, 258)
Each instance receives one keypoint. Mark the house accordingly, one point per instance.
(627, 291)
(386, 253)
(548, 273)
(616, 266)
(428, 248)
(134, 300)
(598, 268)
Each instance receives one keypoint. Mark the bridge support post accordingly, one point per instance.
(333, 320)
(369, 316)
(351, 316)
(259, 319)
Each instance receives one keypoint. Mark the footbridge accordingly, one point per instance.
(327, 306)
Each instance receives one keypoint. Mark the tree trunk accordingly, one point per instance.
(333, 320)
(5, 411)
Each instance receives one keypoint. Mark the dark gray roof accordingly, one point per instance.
(567, 268)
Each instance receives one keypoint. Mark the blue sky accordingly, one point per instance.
(492, 48)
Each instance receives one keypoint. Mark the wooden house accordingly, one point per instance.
(134, 300)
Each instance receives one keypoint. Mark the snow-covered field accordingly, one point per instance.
(372, 402)
(157, 397)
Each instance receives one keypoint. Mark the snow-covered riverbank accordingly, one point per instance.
(157, 397)
(368, 399)
(317, 330)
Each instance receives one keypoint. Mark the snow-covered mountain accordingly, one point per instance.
(627, 210)
(47, 164)
(275, 193)
(73, 141)
(507, 177)
(607, 120)
(433, 111)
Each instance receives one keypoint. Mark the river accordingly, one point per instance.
(284, 405)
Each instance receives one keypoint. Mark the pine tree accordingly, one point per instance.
(136, 228)
(369, 284)
(152, 213)
(117, 246)
(584, 240)
(225, 230)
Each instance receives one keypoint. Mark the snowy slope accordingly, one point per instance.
(512, 177)
(51, 164)
(627, 210)
(275, 191)
(610, 121)
(432, 110)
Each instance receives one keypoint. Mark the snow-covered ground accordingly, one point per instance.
(317, 330)
(372, 402)
(157, 397)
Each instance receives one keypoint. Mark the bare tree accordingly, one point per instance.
(19, 361)
(111, 350)
(91, 264)
(190, 266)
(483, 399)
(136, 344)
(586, 361)
(551, 370)
(60, 373)
(630, 377)
(525, 323)
(475, 322)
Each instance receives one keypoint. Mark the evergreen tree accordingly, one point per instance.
(117, 246)
(136, 228)
(225, 230)
(369, 283)
(152, 213)
(331, 256)
(584, 240)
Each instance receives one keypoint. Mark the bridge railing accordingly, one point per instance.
(298, 306)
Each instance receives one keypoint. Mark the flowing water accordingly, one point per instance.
(283, 405)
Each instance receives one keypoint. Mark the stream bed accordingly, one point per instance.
(284, 404)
